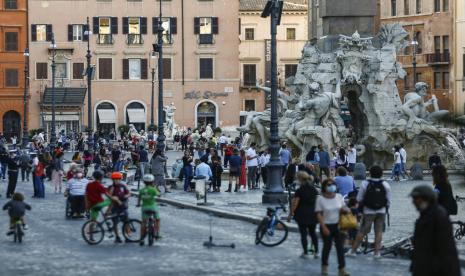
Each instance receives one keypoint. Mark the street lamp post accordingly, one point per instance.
(53, 130)
(414, 44)
(152, 98)
(89, 72)
(159, 48)
(25, 141)
(275, 192)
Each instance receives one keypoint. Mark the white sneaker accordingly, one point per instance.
(304, 256)
(377, 256)
(351, 253)
(316, 256)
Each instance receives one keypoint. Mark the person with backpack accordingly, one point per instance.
(443, 189)
(374, 197)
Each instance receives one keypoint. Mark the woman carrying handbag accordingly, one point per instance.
(329, 207)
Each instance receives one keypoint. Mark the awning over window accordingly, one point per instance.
(136, 115)
(106, 116)
(64, 96)
(62, 118)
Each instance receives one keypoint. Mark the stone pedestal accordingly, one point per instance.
(416, 172)
(274, 198)
(360, 171)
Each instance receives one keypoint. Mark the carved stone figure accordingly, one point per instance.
(170, 124)
(361, 76)
(209, 131)
(415, 106)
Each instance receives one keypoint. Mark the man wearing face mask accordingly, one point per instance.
(434, 251)
(76, 190)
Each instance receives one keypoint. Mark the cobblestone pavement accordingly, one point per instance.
(53, 246)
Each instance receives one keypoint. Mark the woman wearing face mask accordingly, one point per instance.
(303, 210)
(328, 207)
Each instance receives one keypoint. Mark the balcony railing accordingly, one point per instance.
(105, 39)
(438, 58)
(134, 39)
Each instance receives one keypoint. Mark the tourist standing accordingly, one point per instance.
(397, 163)
(351, 158)
(292, 171)
(228, 152)
(39, 175)
(341, 160)
(328, 207)
(158, 163)
(434, 160)
(313, 158)
(434, 249)
(57, 172)
(115, 159)
(375, 197)
(285, 156)
(265, 159)
(252, 164)
(403, 160)
(143, 159)
(235, 163)
(3, 160)
(443, 189)
(303, 211)
(243, 171)
(187, 169)
(25, 165)
(324, 162)
(13, 170)
(217, 171)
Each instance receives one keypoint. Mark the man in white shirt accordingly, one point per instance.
(375, 197)
(252, 163)
(223, 141)
(351, 158)
(403, 155)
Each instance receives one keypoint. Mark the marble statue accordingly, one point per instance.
(416, 108)
(208, 131)
(361, 76)
(132, 131)
(170, 124)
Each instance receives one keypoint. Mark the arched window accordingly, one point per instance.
(11, 124)
(136, 115)
(106, 118)
(206, 114)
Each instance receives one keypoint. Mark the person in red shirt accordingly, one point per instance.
(94, 196)
(228, 152)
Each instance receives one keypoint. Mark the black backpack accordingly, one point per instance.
(375, 195)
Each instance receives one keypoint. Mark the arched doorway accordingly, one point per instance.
(136, 115)
(206, 113)
(106, 118)
(11, 124)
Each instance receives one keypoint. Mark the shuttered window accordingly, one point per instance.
(206, 68)
(78, 70)
(41, 71)
(105, 68)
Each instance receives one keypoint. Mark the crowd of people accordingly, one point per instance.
(325, 188)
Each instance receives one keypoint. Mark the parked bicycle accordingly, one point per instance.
(93, 232)
(459, 226)
(271, 231)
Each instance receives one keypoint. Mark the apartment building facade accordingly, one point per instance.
(200, 61)
(459, 57)
(254, 49)
(13, 43)
(430, 27)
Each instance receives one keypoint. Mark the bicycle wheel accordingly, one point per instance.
(274, 236)
(132, 230)
(92, 232)
(459, 230)
(150, 230)
(19, 232)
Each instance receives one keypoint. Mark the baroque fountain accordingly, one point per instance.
(364, 78)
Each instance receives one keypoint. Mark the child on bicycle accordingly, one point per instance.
(94, 199)
(16, 210)
(119, 211)
(147, 196)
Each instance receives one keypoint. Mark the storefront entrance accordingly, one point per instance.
(106, 118)
(206, 114)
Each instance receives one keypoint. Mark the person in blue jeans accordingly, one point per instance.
(4, 161)
(187, 169)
